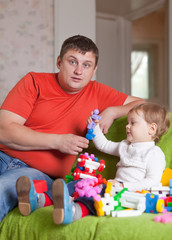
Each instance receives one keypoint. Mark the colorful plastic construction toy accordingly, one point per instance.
(88, 188)
(133, 200)
(105, 205)
(162, 191)
(154, 204)
(167, 175)
(170, 185)
(147, 202)
(164, 218)
(108, 203)
(90, 135)
(87, 167)
(126, 213)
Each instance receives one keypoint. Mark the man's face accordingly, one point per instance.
(75, 70)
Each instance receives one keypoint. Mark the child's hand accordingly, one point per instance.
(89, 120)
(113, 181)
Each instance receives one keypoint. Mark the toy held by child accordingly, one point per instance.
(94, 118)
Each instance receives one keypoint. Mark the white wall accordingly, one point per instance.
(72, 18)
(26, 40)
(113, 36)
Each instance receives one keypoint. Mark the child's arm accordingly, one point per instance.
(104, 145)
(155, 167)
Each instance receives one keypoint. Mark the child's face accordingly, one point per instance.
(137, 129)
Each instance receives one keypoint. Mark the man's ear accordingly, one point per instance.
(58, 62)
(153, 129)
(95, 69)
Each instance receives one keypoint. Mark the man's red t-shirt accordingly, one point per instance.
(39, 99)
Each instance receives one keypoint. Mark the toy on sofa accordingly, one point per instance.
(88, 188)
(112, 202)
(87, 166)
(165, 218)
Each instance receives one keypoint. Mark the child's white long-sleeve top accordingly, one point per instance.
(141, 164)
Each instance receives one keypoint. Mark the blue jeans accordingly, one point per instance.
(10, 170)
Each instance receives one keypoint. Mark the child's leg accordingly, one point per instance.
(65, 211)
(79, 211)
(28, 198)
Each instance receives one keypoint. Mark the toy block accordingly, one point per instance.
(126, 213)
(99, 208)
(90, 135)
(168, 209)
(154, 204)
(169, 204)
(116, 188)
(117, 198)
(133, 200)
(40, 186)
(108, 203)
(165, 218)
(167, 200)
(170, 185)
(87, 187)
(167, 175)
(162, 191)
(87, 166)
(108, 188)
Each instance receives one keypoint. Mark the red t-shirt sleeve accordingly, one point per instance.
(22, 97)
(108, 96)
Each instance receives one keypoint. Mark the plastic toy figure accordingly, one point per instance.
(87, 166)
(95, 117)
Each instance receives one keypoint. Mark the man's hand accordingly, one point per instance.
(112, 113)
(71, 144)
(107, 119)
(15, 135)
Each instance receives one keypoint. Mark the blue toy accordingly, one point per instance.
(90, 135)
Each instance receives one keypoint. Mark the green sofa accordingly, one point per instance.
(39, 225)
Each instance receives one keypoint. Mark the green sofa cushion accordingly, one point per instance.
(39, 225)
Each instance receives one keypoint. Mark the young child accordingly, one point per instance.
(141, 162)
(140, 167)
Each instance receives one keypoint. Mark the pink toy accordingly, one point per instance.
(87, 187)
(164, 218)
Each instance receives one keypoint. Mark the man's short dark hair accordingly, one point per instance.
(80, 43)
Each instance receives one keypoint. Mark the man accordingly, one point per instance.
(43, 118)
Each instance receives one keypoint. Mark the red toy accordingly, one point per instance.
(87, 166)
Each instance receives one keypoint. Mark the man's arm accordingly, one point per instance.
(112, 113)
(15, 135)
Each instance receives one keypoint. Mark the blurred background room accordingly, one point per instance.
(133, 37)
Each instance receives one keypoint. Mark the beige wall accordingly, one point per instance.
(150, 27)
(26, 40)
(148, 31)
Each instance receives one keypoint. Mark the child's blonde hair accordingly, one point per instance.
(154, 113)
